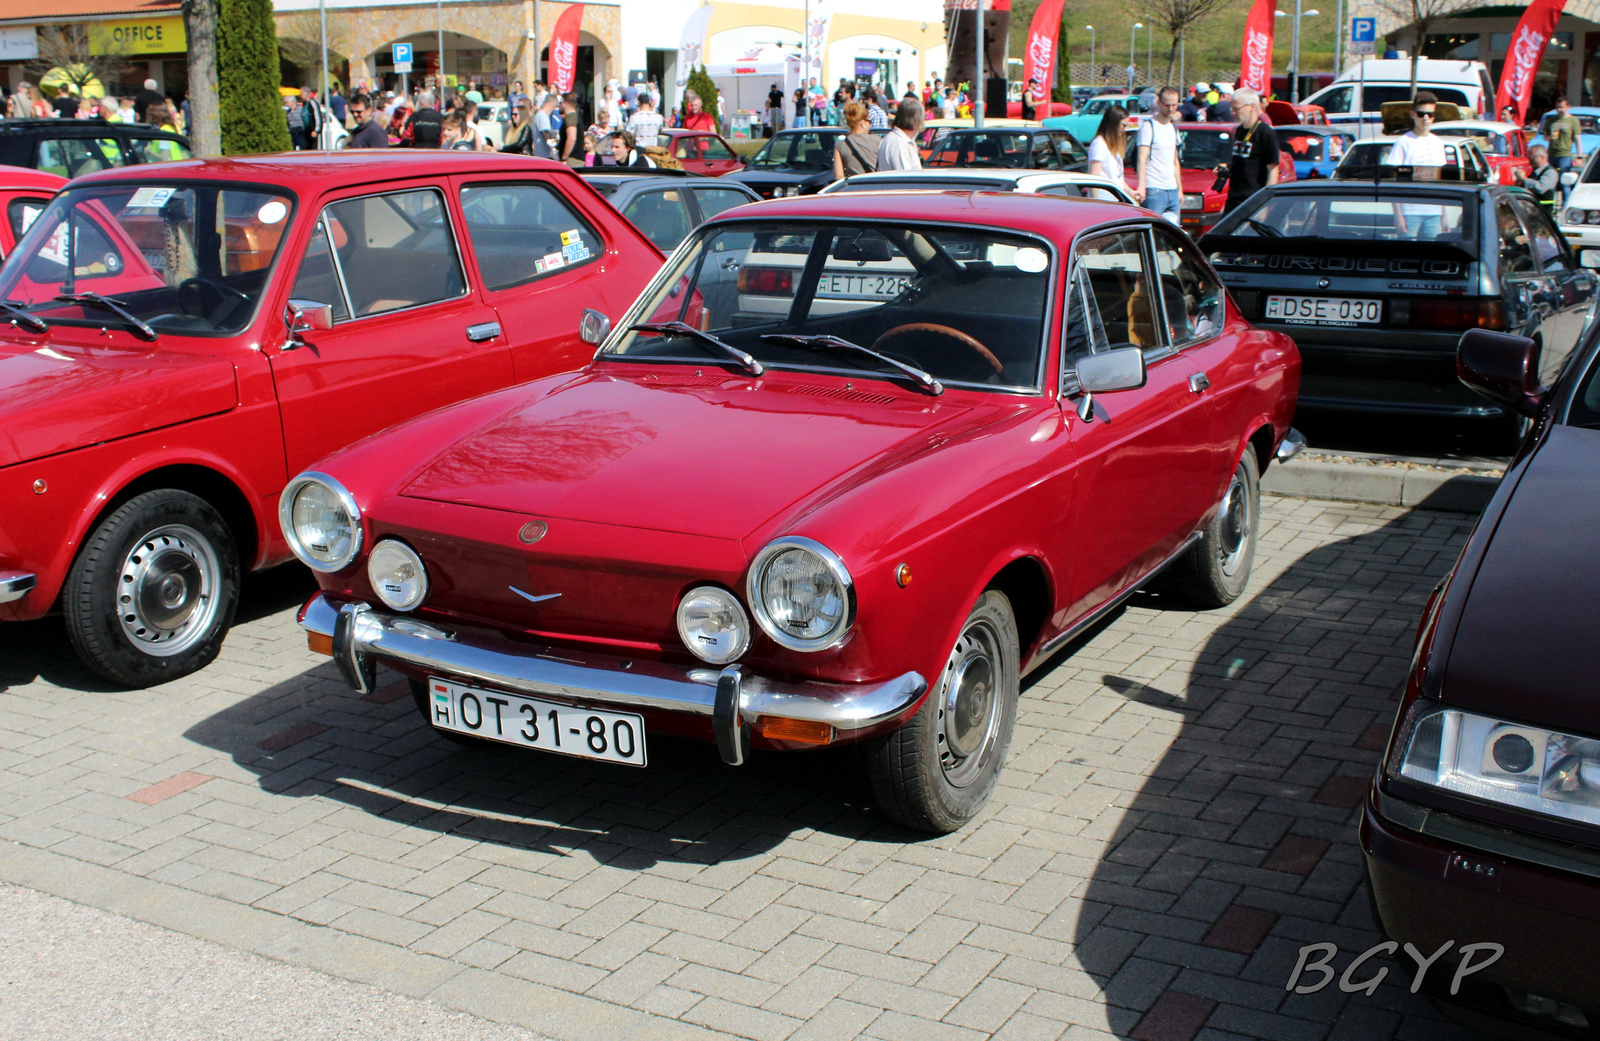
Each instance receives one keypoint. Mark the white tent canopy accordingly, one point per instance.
(745, 84)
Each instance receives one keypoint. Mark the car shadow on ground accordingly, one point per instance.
(1241, 845)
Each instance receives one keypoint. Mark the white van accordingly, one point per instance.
(1358, 95)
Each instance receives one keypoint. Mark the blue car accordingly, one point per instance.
(1589, 118)
(1316, 150)
(1084, 123)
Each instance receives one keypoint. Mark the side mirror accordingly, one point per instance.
(744, 160)
(1503, 368)
(1120, 369)
(1569, 179)
(1589, 258)
(304, 316)
(593, 327)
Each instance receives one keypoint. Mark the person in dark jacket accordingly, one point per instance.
(626, 151)
(426, 123)
(1544, 180)
(366, 133)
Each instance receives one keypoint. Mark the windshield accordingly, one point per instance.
(186, 259)
(1407, 217)
(1491, 142)
(813, 151)
(994, 148)
(1311, 147)
(1204, 149)
(1590, 124)
(1098, 106)
(966, 305)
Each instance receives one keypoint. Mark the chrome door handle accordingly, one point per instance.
(483, 331)
(1199, 382)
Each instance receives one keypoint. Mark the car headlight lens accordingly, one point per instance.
(321, 521)
(1194, 202)
(1530, 768)
(397, 575)
(1594, 216)
(712, 624)
(802, 594)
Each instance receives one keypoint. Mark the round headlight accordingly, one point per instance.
(1575, 216)
(802, 594)
(712, 624)
(321, 521)
(397, 575)
(1594, 216)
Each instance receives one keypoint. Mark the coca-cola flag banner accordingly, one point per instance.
(1039, 63)
(1255, 65)
(564, 50)
(1533, 34)
(692, 43)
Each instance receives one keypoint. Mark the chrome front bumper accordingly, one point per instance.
(730, 696)
(14, 585)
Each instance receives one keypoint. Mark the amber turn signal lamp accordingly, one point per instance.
(801, 731)
(902, 575)
(320, 643)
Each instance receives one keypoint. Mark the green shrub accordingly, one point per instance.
(701, 83)
(247, 79)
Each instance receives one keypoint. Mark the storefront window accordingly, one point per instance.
(1460, 46)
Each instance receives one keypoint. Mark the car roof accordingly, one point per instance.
(1046, 215)
(1365, 185)
(316, 169)
(12, 126)
(13, 177)
(1476, 124)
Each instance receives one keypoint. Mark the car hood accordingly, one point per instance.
(710, 455)
(1525, 646)
(54, 398)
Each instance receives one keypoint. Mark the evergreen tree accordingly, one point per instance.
(701, 83)
(247, 79)
(1061, 90)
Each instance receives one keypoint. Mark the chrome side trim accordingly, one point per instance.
(1066, 637)
(14, 585)
(362, 636)
(1293, 443)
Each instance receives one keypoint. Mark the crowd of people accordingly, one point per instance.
(149, 106)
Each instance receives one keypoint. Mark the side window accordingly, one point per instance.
(1066, 191)
(714, 200)
(1549, 252)
(715, 150)
(22, 213)
(663, 216)
(1117, 302)
(1044, 153)
(1191, 297)
(1339, 99)
(521, 232)
(1085, 334)
(1068, 147)
(318, 280)
(394, 251)
(1516, 256)
(158, 150)
(74, 156)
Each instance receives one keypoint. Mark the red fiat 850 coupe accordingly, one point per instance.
(849, 468)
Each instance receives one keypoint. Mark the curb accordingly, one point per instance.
(1456, 492)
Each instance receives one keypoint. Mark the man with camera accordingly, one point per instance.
(1254, 163)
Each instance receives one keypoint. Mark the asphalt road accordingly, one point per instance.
(75, 973)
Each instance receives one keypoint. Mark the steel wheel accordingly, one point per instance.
(1235, 527)
(168, 590)
(969, 705)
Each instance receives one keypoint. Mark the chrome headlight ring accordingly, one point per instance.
(343, 498)
(756, 597)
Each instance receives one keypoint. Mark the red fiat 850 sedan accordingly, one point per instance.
(177, 339)
(849, 468)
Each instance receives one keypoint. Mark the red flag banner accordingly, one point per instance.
(1043, 32)
(1255, 64)
(564, 49)
(1533, 34)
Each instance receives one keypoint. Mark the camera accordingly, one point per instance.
(1222, 179)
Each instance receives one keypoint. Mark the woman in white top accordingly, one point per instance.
(1110, 144)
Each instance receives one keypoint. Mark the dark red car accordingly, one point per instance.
(1482, 826)
(848, 469)
(23, 195)
(179, 339)
(702, 152)
(1202, 147)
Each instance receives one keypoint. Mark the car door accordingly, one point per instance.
(409, 335)
(716, 158)
(1145, 463)
(544, 254)
(1559, 290)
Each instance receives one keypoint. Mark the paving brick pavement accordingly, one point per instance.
(1177, 818)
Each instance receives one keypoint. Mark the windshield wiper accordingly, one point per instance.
(746, 362)
(922, 379)
(115, 307)
(21, 317)
(1265, 229)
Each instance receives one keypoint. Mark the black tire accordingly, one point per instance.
(152, 592)
(918, 774)
(1216, 569)
(419, 694)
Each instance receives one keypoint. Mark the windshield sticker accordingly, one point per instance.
(29, 215)
(575, 252)
(549, 262)
(572, 238)
(1031, 259)
(150, 198)
(272, 212)
(55, 248)
(112, 262)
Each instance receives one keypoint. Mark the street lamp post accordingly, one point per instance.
(1132, 59)
(1091, 57)
(1150, 50)
(1294, 52)
(1338, 38)
(322, 99)
(978, 92)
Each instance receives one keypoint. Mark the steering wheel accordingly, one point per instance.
(196, 284)
(942, 330)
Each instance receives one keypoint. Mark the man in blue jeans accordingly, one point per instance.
(1157, 157)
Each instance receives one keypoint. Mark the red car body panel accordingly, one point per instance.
(654, 478)
(18, 184)
(690, 147)
(94, 412)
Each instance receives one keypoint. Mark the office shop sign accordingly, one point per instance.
(138, 36)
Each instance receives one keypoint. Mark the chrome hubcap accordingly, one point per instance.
(969, 710)
(1235, 517)
(167, 598)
